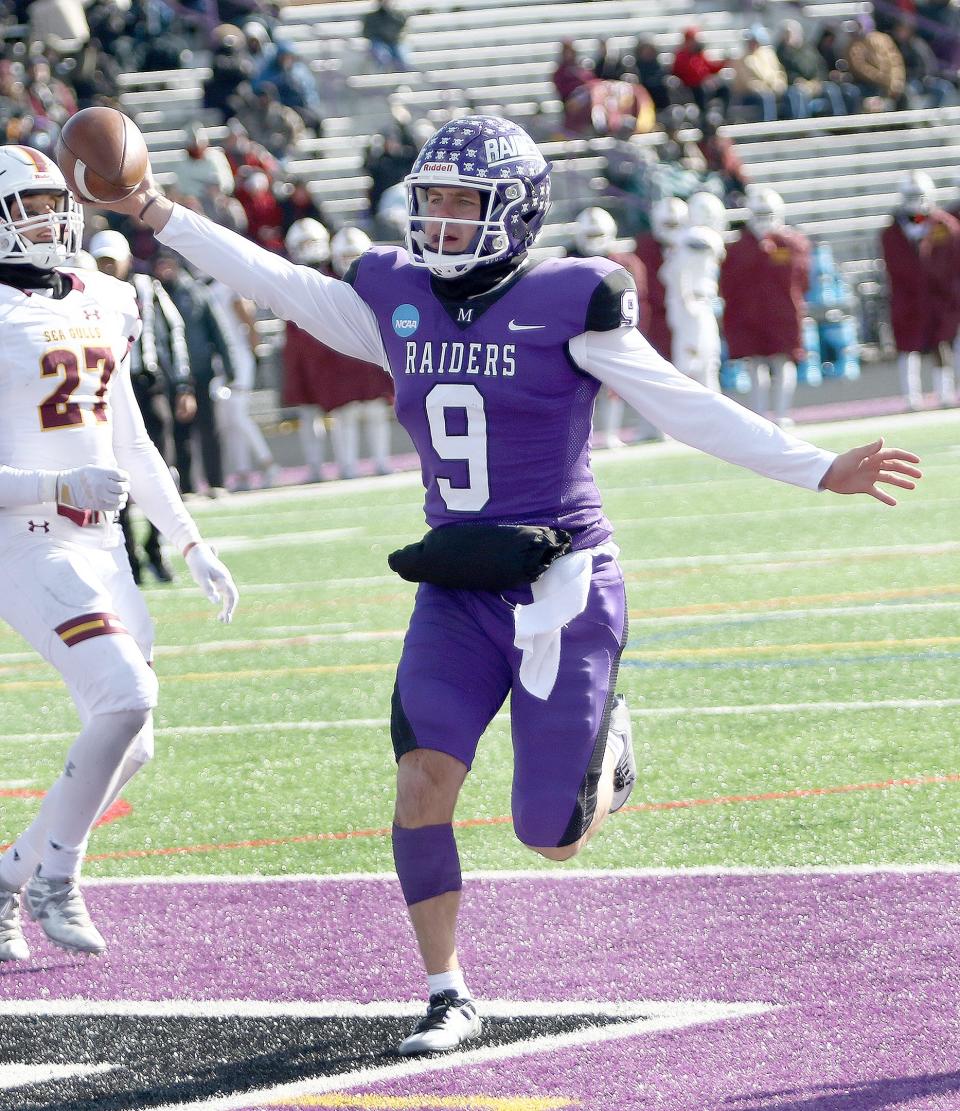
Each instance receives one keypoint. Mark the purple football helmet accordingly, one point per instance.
(500, 161)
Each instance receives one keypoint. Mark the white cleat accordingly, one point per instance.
(625, 773)
(450, 1020)
(13, 945)
(58, 907)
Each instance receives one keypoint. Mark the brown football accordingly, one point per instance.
(102, 154)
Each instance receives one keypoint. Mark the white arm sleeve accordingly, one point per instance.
(325, 307)
(19, 487)
(625, 362)
(151, 485)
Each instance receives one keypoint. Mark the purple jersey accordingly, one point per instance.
(485, 387)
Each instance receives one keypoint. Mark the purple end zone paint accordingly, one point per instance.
(861, 968)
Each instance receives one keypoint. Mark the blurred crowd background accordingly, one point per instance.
(824, 136)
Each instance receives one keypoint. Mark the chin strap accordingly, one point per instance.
(34, 277)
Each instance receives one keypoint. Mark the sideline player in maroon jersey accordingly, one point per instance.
(497, 360)
(72, 446)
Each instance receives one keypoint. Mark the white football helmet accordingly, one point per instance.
(347, 246)
(668, 217)
(23, 171)
(766, 210)
(110, 244)
(705, 210)
(308, 243)
(917, 193)
(596, 232)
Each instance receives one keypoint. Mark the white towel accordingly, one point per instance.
(559, 595)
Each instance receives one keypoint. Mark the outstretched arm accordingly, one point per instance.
(858, 471)
(329, 309)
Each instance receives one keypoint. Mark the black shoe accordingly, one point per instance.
(159, 566)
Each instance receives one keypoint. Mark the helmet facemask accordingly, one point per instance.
(16, 224)
(499, 203)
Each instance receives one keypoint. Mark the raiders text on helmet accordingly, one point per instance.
(23, 171)
(499, 160)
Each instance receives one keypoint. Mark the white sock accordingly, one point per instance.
(61, 862)
(448, 981)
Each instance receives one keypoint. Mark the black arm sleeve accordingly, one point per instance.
(613, 304)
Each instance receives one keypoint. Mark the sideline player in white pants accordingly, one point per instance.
(72, 446)
(691, 276)
(241, 436)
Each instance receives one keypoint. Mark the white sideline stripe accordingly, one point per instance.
(283, 539)
(669, 1019)
(805, 556)
(883, 607)
(16, 1076)
(348, 1008)
(635, 712)
(560, 875)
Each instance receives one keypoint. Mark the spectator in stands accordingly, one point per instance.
(667, 219)
(224, 209)
(205, 165)
(721, 158)
(607, 62)
(261, 207)
(297, 203)
(649, 71)
(241, 150)
(262, 51)
(770, 261)
(297, 88)
(759, 80)
(13, 95)
(925, 87)
(211, 356)
(806, 70)
(384, 29)
(49, 98)
(700, 74)
(876, 66)
(390, 154)
(269, 123)
(920, 247)
(230, 67)
(570, 74)
(938, 21)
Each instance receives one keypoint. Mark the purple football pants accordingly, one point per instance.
(459, 664)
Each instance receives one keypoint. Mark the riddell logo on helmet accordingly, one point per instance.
(438, 168)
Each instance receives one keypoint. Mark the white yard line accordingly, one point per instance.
(272, 727)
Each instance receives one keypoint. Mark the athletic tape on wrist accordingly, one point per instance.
(427, 862)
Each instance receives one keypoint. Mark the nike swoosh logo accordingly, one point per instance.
(515, 327)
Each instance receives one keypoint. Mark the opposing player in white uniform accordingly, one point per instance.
(690, 276)
(72, 446)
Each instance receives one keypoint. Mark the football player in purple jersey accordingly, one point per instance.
(497, 360)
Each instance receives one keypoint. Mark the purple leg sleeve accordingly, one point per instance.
(427, 862)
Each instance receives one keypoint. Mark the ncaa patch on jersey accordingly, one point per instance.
(406, 320)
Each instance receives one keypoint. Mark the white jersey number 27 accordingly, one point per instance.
(469, 446)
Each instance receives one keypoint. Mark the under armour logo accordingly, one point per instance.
(38, 526)
(91, 314)
(68, 772)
